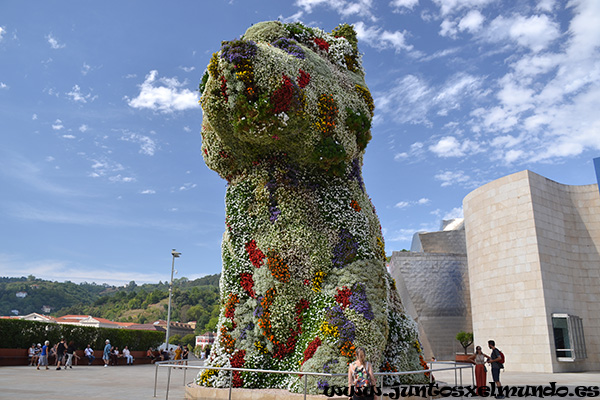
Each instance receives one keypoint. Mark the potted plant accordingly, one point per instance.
(465, 339)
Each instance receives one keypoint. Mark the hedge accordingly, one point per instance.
(20, 334)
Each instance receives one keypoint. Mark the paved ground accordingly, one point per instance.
(137, 382)
(85, 383)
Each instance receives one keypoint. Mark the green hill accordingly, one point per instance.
(193, 300)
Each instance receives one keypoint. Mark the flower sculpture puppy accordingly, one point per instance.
(287, 118)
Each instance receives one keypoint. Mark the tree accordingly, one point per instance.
(175, 339)
(189, 339)
(465, 339)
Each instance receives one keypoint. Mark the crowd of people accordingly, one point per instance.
(179, 354)
(62, 355)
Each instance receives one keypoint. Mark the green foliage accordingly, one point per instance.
(193, 300)
(19, 334)
(175, 339)
(188, 340)
(465, 339)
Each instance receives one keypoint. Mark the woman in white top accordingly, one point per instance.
(479, 359)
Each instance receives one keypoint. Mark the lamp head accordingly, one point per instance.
(175, 254)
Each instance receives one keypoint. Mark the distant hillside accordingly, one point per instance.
(195, 300)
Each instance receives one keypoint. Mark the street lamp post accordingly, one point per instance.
(175, 255)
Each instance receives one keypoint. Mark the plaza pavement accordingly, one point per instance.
(137, 382)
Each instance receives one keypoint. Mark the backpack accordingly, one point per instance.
(501, 355)
(361, 377)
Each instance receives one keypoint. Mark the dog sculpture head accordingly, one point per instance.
(286, 91)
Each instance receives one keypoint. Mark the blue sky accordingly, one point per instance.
(101, 173)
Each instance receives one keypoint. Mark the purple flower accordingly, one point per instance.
(289, 46)
(238, 50)
(345, 250)
(359, 302)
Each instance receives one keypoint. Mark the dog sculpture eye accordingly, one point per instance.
(287, 118)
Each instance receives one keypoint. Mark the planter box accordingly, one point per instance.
(14, 357)
(461, 357)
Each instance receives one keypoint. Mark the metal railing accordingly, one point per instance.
(456, 366)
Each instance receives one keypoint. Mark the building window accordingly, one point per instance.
(568, 337)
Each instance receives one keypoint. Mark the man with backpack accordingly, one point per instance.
(497, 362)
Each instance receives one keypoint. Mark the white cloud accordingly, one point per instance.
(104, 167)
(2, 32)
(148, 191)
(546, 5)
(54, 42)
(76, 95)
(399, 5)
(3, 85)
(34, 117)
(410, 99)
(456, 212)
(450, 178)
(471, 22)
(381, 39)
(57, 125)
(83, 128)
(120, 178)
(449, 146)
(187, 186)
(68, 137)
(343, 7)
(535, 32)
(147, 144)
(405, 204)
(165, 95)
(187, 69)
(453, 6)
(448, 28)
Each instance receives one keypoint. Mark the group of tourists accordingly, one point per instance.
(61, 354)
(180, 354)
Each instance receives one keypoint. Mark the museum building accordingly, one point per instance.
(531, 279)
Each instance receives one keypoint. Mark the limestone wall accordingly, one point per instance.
(532, 248)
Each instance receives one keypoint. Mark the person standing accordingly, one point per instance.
(60, 352)
(185, 355)
(44, 355)
(496, 361)
(360, 376)
(70, 355)
(479, 359)
(89, 353)
(106, 353)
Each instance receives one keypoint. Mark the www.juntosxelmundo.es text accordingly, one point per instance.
(434, 390)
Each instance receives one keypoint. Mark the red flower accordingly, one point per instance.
(343, 296)
(247, 282)
(311, 349)
(282, 96)
(256, 256)
(323, 45)
(303, 79)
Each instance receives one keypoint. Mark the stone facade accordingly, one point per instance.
(533, 250)
(433, 284)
